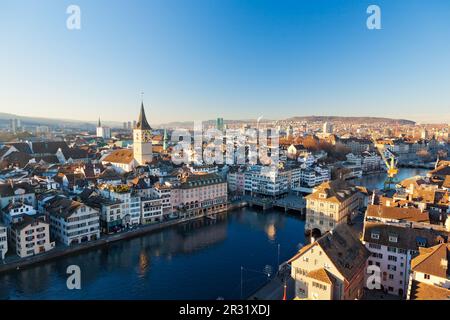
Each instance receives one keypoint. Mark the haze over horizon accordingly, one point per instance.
(199, 60)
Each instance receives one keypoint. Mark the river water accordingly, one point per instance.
(197, 260)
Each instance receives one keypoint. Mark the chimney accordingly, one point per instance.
(313, 239)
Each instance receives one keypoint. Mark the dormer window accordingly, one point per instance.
(393, 238)
(375, 235)
(322, 195)
(421, 242)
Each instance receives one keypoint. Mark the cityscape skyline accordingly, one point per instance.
(235, 60)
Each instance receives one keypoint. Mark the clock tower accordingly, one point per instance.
(142, 140)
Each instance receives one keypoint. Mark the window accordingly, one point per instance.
(426, 276)
(375, 235)
(392, 258)
(393, 238)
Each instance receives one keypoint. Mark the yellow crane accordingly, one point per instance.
(391, 165)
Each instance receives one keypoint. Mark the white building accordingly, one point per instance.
(429, 278)
(3, 241)
(103, 132)
(151, 210)
(393, 248)
(327, 128)
(131, 202)
(15, 211)
(111, 215)
(73, 222)
(15, 192)
(30, 237)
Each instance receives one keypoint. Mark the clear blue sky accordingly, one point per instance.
(200, 59)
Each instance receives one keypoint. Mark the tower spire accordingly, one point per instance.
(99, 123)
(142, 123)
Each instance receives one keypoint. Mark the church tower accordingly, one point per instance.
(142, 140)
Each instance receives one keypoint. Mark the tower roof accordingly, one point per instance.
(142, 123)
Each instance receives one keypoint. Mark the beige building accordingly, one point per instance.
(430, 274)
(331, 204)
(200, 194)
(142, 140)
(30, 236)
(331, 268)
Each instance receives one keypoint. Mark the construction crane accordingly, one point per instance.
(391, 165)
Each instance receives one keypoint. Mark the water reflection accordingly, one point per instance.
(197, 260)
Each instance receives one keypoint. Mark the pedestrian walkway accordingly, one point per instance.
(274, 289)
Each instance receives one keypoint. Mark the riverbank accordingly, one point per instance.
(13, 263)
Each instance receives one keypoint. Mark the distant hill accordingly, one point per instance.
(30, 121)
(352, 119)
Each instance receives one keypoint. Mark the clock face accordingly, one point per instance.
(143, 136)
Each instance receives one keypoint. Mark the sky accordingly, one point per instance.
(235, 59)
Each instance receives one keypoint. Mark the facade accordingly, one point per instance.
(164, 192)
(430, 274)
(72, 222)
(330, 268)
(30, 237)
(130, 202)
(3, 241)
(151, 210)
(392, 249)
(142, 140)
(331, 204)
(111, 215)
(15, 211)
(102, 131)
(198, 195)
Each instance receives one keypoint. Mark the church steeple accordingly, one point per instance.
(142, 123)
(142, 140)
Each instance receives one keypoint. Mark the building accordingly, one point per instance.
(142, 140)
(72, 222)
(3, 241)
(392, 249)
(16, 192)
(30, 236)
(122, 160)
(131, 202)
(151, 210)
(219, 124)
(327, 128)
(331, 204)
(15, 211)
(331, 267)
(430, 274)
(401, 216)
(200, 194)
(111, 215)
(164, 192)
(102, 131)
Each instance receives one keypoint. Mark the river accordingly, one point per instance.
(197, 260)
